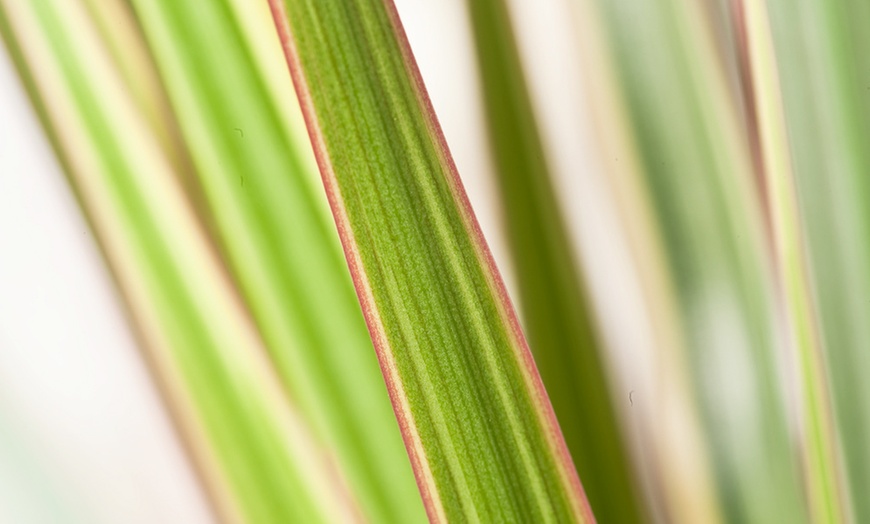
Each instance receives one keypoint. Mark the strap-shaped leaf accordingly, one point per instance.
(553, 300)
(477, 423)
(688, 159)
(227, 81)
(811, 79)
(258, 456)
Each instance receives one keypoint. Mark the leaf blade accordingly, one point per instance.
(694, 170)
(553, 300)
(417, 230)
(255, 453)
(815, 95)
(274, 231)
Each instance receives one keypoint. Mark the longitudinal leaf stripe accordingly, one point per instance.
(476, 421)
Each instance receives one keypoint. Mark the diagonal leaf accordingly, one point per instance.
(694, 171)
(816, 96)
(227, 81)
(256, 453)
(554, 304)
(476, 420)
(822, 475)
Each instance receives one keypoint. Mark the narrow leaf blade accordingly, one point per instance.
(477, 423)
(690, 162)
(553, 301)
(224, 72)
(256, 454)
(815, 98)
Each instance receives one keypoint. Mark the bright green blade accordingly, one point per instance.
(696, 176)
(254, 451)
(229, 85)
(823, 64)
(475, 417)
(553, 300)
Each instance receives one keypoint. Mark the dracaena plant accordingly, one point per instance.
(279, 209)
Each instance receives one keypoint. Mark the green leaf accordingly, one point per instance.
(822, 476)
(476, 420)
(687, 160)
(553, 300)
(228, 83)
(263, 458)
(819, 94)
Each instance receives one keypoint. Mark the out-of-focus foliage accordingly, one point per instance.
(553, 300)
(733, 135)
(700, 92)
(211, 218)
(824, 77)
(693, 165)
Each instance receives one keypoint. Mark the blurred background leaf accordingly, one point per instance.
(203, 343)
(821, 469)
(823, 71)
(553, 300)
(683, 186)
(227, 81)
(687, 155)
